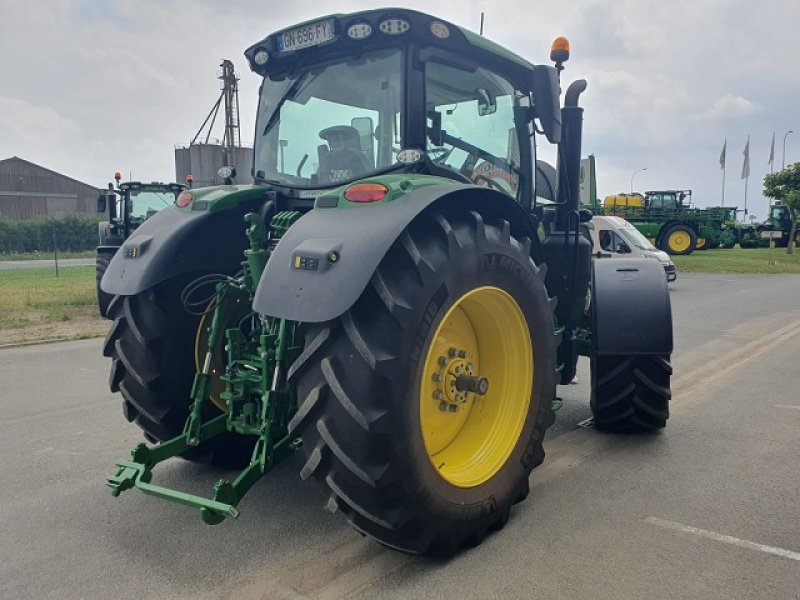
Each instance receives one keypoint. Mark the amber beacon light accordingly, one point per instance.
(559, 51)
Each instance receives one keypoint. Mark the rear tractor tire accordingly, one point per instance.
(679, 239)
(630, 393)
(423, 407)
(152, 347)
(103, 298)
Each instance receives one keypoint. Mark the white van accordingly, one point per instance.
(614, 237)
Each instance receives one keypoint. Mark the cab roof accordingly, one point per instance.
(459, 40)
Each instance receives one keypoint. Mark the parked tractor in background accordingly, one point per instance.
(735, 232)
(386, 307)
(128, 206)
(667, 218)
(780, 220)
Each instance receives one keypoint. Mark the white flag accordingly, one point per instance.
(772, 151)
(722, 154)
(746, 164)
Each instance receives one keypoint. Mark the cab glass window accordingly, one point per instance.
(326, 125)
(470, 125)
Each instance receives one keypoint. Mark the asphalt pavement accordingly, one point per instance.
(708, 508)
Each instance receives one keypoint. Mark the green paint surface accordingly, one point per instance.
(399, 186)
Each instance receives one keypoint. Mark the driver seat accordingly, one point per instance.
(344, 158)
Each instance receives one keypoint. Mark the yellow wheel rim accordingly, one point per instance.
(679, 241)
(232, 310)
(469, 436)
(701, 243)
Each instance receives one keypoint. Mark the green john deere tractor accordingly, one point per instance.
(381, 299)
(128, 206)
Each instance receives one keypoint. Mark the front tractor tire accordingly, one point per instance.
(424, 407)
(630, 393)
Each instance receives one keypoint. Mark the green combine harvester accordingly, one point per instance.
(380, 299)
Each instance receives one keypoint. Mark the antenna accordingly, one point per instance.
(481, 22)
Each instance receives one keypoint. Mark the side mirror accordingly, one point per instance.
(101, 203)
(227, 174)
(487, 104)
(546, 104)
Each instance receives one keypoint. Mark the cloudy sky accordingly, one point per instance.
(89, 86)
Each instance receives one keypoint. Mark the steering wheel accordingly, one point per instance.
(489, 182)
(439, 154)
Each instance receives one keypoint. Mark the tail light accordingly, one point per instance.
(366, 192)
(183, 200)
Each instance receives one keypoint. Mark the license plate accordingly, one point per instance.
(308, 35)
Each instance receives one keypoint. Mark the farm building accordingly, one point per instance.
(30, 191)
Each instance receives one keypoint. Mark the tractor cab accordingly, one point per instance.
(130, 204)
(350, 97)
(668, 199)
(143, 200)
(778, 214)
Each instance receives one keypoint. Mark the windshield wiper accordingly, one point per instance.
(293, 91)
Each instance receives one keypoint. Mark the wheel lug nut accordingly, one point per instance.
(462, 354)
(452, 408)
(442, 360)
(443, 406)
(437, 395)
(451, 353)
(437, 377)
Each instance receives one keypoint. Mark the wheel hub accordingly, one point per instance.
(470, 428)
(455, 382)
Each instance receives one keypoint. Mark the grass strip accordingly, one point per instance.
(739, 260)
(36, 305)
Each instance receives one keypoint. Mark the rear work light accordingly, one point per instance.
(393, 26)
(183, 200)
(366, 192)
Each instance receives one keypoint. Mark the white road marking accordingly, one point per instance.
(728, 539)
(787, 406)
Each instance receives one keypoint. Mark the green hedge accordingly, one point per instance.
(72, 234)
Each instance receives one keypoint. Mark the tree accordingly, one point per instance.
(784, 186)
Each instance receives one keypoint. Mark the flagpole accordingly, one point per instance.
(722, 161)
(746, 172)
(772, 154)
(723, 185)
(746, 181)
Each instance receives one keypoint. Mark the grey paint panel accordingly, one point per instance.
(323, 290)
(174, 242)
(631, 311)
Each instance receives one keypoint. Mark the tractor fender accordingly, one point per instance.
(630, 307)
(173, 242)
(325, 260)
